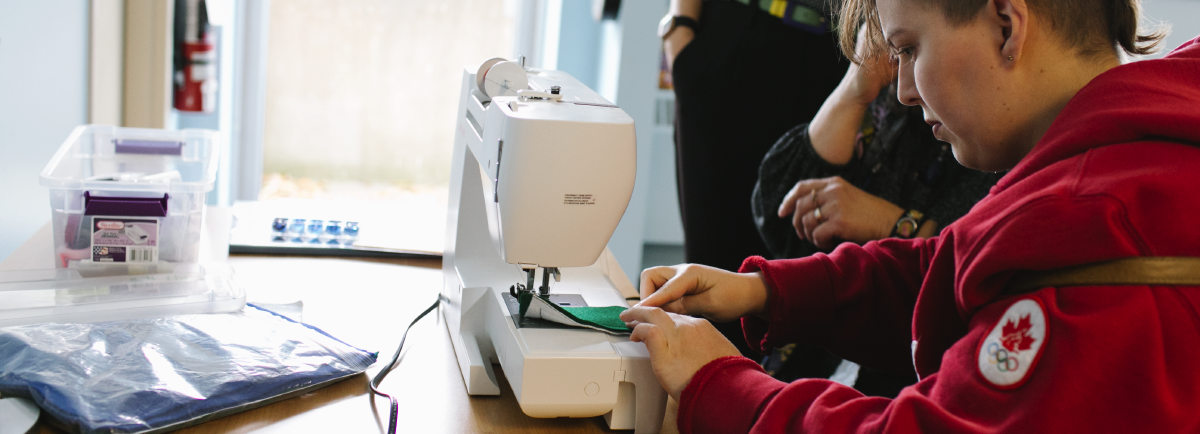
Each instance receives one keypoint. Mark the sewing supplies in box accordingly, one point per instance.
(130, 195)
(314, 231)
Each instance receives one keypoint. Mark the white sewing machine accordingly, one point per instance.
(538, 184)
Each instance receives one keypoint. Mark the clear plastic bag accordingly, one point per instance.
(163, 374)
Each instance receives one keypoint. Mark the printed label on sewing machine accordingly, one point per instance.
(124, 240)
(578, 199)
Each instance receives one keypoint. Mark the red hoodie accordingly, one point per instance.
(1115, 176)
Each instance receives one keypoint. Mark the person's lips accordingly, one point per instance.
(937, 127)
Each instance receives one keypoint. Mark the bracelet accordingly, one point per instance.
(909, 224)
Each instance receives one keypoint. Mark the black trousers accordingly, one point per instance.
(743, 81)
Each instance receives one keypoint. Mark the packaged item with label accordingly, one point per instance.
(124, 240)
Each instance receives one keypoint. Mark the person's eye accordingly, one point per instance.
(902, 55)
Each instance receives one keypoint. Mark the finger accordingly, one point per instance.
(804, 206)
(652, 336)
(799, 192)
(653, 278)
(798, 223)
(670, 298)
(648, 315)
(670, 294)
(887, 68)
(826, 235)
(826, 232)
(810, 223)
(789, 201)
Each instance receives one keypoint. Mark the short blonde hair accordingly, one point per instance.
(1093, 27)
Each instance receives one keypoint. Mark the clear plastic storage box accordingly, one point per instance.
(130, 195)
(92, 294)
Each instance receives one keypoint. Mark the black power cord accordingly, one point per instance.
(396, 358)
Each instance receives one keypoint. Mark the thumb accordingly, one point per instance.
(652, 336)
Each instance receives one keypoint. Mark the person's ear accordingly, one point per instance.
(1011, 18)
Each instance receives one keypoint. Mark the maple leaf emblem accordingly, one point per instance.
(1015, 337)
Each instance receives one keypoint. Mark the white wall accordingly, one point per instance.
(663, 222)
(43, 95)
(1182, 15)
(578, 43)
(636, 79)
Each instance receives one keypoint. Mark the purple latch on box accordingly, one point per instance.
(127, 206)
(156, 147)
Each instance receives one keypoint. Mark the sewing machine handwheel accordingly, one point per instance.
(503, 79)
(483, 68)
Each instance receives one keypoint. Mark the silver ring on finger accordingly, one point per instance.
(818, 216)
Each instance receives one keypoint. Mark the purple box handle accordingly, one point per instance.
(156, 147)
(125, 206)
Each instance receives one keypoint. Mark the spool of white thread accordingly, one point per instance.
(503, 79)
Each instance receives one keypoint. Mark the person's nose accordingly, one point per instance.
(906, 86)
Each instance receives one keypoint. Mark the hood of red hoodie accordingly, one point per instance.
(1148, 100)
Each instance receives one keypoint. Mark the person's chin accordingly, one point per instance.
(956, 144)
(975, 155)
(973, 159)
(966, 155)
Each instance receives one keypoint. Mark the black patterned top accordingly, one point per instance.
(896, 158)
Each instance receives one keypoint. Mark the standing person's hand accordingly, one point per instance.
(830, 210)
(691, 289)
(679, 345)
(674, 41)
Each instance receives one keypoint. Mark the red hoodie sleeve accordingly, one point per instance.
(1144, 379)
(857, 301)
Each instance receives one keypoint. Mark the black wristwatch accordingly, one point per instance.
(670, 22)
(909, 224)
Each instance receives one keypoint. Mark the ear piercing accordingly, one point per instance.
(1010, 58)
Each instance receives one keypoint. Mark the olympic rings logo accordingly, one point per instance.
(1000, 357)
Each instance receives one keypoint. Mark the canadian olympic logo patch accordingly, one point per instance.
(1009, 352)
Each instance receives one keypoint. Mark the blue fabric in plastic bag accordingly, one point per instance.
(167, 373)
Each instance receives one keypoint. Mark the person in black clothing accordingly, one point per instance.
(865, 168)
(742, 78)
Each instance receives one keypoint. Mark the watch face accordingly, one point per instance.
(664, 26)
(906, 227)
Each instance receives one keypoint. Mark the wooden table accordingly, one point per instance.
(368, 303)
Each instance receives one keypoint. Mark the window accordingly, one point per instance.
(361, 95)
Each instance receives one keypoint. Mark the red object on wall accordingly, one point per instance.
(196, 83)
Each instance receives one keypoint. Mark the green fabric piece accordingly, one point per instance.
(607, 317)
(523, 299)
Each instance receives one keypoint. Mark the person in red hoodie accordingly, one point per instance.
(1105, 163)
